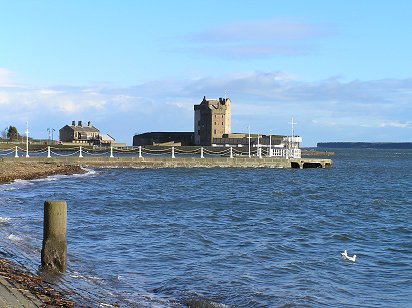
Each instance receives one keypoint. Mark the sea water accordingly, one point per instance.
(227, 237)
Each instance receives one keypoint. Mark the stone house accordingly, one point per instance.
(79, 133)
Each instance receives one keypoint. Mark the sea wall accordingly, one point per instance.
(180, 162)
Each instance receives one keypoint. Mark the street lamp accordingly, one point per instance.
(249, 139)
(49, 134)
(53, 130)
(27, 139)
(270, 143)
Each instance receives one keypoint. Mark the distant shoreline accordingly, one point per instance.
(365, 145)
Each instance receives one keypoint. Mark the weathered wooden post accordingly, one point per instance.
(54, 248)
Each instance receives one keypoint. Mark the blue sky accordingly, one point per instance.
(342, 69)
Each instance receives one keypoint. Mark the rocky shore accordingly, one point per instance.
(11, 171)
(18, 287)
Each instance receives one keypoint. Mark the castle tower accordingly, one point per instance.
(212, 120)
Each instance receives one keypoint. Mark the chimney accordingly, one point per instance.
(89, 124)
(73, 123)
(80, 124)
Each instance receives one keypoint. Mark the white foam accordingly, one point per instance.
(14, 238)
(88, 172)
(88, 278)
(4, 220)
(16, 184)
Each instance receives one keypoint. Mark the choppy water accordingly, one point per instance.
(244, 238)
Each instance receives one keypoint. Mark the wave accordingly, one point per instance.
(14, 238)
(88, 172)
(4, 220)
(18, 183)
(94, 280)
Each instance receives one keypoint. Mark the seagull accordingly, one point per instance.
(344, 255)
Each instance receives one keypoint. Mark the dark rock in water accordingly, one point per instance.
(203, 303)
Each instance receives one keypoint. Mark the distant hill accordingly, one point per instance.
(365, 145)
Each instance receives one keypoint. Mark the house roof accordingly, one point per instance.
(106, 137)
(89, 129)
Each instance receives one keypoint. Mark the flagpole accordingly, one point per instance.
(27, 139)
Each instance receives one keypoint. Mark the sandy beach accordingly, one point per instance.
(19, 287)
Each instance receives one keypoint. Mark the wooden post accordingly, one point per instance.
(54, 248)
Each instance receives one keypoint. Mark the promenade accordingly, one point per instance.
(177, 162)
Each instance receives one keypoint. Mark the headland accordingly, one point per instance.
(365, 145)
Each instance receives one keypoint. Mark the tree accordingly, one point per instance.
(12, 133)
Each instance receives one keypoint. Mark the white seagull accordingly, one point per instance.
(344, 255)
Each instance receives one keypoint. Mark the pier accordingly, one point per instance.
(162, 157)
(179, 162)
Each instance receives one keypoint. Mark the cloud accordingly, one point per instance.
(329, 108)
(396, 124)
(6, 77)
(256, 39)
(268, 30)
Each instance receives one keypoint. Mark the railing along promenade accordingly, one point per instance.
(162, 157)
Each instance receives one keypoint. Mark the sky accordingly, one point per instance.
(341, 69)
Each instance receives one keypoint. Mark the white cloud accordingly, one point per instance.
(68, 107)
(6, 77)
(263, 99)
(396, 124)
(256, 39)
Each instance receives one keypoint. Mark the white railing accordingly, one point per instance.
(140, 152)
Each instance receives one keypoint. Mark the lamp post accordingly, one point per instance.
(49, 134)
(27, 139)
(270, 143)
(249, 139)
(53, 130)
